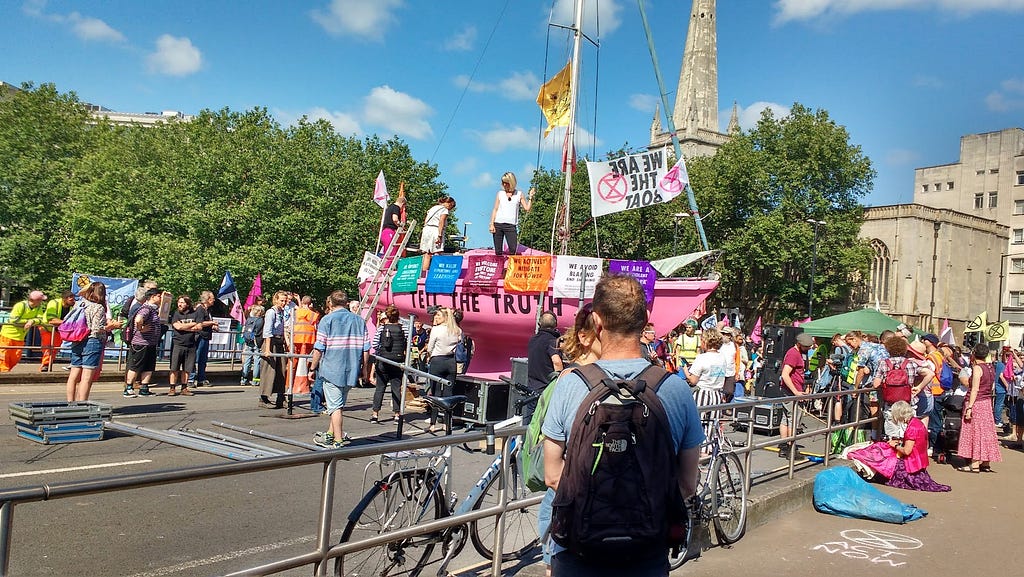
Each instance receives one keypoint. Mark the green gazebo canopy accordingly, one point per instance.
(868, 321)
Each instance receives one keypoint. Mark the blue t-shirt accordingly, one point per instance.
(570, 390)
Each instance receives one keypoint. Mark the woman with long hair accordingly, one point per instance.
(390, 342)
(444, 336)
(87, 354)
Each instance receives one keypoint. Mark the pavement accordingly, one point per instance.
(778, 503)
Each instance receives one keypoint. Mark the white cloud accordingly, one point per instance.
(585, 142)
(88, 28)
(397, 112)
(502, 138)
(465, 166)
(926, 81)
(84, 27)
(515, 86)
(789, 10)
(607, 13)
(343, 123)
(643, 102)
(462, 41)
(174, 57)
(1008, 98)
(901, 157)
(366, 19)
(750, 115)
(483, 180)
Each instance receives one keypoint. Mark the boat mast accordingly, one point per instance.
(672, 126)
(570, 131)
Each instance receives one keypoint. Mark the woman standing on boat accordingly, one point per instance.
(505, 216)
(432, 237)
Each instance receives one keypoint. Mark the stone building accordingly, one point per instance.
(933, 264)
(987, 183)
(695, 115)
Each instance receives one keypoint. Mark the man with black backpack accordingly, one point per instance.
(622, 467)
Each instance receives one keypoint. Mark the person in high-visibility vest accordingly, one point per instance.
(24, 315)
(306, 320)
(54, 314)
(687, 346)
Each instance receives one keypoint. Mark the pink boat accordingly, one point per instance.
(501, 324)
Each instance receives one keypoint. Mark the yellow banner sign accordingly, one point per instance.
(527, 274)
(553, 99)
(978, 324)
(997, 331)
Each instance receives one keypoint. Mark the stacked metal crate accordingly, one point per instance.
(60, 421)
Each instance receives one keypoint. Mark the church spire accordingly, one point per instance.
(656, 122)
(734, 120)
(696, 105)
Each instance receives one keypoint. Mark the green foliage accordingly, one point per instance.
(757, 193)
(182, 202)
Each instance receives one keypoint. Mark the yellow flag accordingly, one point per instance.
(553, 99)
(997, 332)
(978, 324)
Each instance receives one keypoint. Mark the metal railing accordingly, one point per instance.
(324, 551)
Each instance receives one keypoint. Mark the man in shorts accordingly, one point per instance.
(793, 385)
(342, 346)
(143, 337)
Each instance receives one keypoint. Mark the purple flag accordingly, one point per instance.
(641, 270)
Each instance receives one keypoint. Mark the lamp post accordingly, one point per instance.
(814, 264)
(676, 218)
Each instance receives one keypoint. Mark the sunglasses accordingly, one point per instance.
(582, 315)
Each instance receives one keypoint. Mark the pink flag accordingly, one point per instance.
(236, 311)
(255, 291)
(380, 191)
(755, 334)
(798, 323)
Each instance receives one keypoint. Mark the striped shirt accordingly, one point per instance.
(341, 338)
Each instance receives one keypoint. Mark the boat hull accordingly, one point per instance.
(501, 324)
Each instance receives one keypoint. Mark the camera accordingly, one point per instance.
(837, 358)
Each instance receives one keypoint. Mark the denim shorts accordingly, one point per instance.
(87, 354)
(335, 396)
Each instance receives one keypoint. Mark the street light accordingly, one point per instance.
(814, 264)
(675, 233)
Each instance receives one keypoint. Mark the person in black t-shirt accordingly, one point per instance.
(183, 345)
(543, 358)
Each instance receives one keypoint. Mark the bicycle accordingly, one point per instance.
(413, 487)
(721, 500)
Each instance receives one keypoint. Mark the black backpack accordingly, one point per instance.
(618, 496)
(464, 352)
(392, 347)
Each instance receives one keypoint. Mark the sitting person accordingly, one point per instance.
(902, 461)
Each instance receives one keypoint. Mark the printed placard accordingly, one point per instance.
(575, 272)
(641, 270)
(527, 274)
(483, 272)
(632, 181)
(407, 274)
(369, 267)
(443, 273)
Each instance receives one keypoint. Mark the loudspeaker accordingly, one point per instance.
(777, 340)
(487, 400)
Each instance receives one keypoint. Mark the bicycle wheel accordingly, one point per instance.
(410, 498)
(520, 524)
(729, 494)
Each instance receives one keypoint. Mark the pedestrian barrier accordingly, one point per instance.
(324, 551)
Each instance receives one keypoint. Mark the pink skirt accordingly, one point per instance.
(978, 441)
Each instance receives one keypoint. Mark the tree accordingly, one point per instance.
(760, 189)
(42, 136)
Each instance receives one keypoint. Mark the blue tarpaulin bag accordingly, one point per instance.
(841, 491)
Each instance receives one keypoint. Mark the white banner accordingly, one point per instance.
(371, 264)
(223, 339)
(571, 272)
(632, 181)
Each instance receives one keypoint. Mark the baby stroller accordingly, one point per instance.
(949, 436)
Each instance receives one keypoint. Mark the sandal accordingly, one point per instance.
(986, 469)
(187, 392)
(374, 419)
(967, 469)
(172, 393)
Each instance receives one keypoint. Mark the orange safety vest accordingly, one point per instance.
(938, 361)
(305, 326)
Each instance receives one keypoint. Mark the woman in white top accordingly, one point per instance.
(707, 373)
(505, 216)
(444, 335)
(432, 237)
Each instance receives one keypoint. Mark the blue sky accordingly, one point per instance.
(457, 79)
